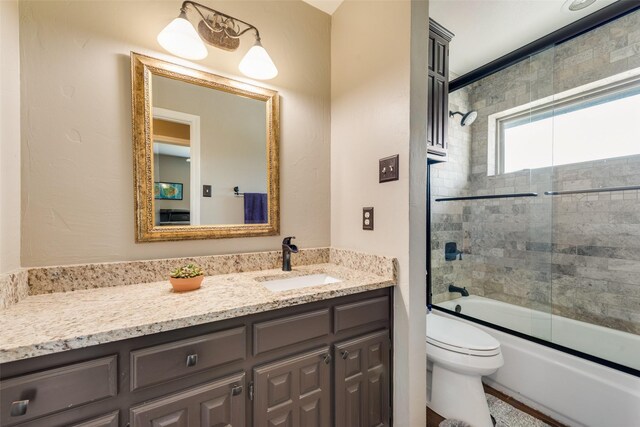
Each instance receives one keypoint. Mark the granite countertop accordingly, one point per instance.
(55, 322)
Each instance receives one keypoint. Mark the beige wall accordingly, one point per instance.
(9, 138)
(76, 125)
(233, 149)
(372, 99)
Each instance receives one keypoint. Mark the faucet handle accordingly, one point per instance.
(287, 240)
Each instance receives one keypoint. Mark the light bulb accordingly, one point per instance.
(181, 39)
(257, 64)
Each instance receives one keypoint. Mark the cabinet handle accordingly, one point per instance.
(192, 359)
(345, 354)
(19, 407)
(327, 359)
(236, 390)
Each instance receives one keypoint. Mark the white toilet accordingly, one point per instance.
(458, 355)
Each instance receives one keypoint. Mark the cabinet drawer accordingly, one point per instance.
(217, 403)
(30, 396)
(108, 420)
(155, 365)
(290, 330)
(361, 313)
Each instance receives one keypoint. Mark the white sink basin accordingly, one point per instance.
(299, 282)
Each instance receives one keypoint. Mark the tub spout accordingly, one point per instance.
(463, 291)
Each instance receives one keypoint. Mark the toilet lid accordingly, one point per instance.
(460, 337)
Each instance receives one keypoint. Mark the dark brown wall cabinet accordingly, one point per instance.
(438, 92)
(319, 364)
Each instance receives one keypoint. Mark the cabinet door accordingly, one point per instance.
(217, 403)
(294, 392)
(362, 381)
(438, 96)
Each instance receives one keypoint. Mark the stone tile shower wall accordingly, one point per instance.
(451, 179)
(578, 255)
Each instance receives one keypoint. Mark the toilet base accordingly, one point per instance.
(459, 397)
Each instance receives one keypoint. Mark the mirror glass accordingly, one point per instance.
(205, 148)
(209, 155)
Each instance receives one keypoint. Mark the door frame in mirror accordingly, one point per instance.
(142, 69)
(193, 122)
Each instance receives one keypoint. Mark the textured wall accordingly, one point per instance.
(574, 255)
(9, 139)
(372, 110)
(77, 166)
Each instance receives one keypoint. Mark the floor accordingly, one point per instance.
(433, 419)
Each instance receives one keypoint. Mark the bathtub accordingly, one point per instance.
(571, 389)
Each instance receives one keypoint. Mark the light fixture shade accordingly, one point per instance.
(257, 64)
(181, 39)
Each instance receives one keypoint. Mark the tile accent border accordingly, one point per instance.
(13, 287)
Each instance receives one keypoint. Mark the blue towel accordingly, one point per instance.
(255, 208)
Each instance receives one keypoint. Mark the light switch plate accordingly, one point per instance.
(206, 191)
(367, 218)
(388, 169)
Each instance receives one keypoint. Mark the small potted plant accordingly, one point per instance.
(186, 278)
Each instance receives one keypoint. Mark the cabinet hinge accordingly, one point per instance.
(251, 390)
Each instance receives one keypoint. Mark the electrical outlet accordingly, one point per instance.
(206, 191)
(367, 218)
(388, 169)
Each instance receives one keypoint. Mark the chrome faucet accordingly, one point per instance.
(287, 250)
(463, 291)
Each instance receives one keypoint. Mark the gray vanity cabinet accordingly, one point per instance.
(319, 364)
(108, 420)
(362, 381)
(217, 403)
(294, 392)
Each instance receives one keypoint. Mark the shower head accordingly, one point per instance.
(467, 118)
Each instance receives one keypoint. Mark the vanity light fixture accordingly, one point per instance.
(218, 29)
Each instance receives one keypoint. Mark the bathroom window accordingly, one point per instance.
(600, 123)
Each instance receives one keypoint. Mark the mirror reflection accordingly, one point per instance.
(209, 156)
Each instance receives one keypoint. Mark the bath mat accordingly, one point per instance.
(504, 414)
(508, 416)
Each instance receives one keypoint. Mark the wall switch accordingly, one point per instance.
(388, 168)
(367, 218)
(206, 191)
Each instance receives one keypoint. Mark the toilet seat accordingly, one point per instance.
(458, 337)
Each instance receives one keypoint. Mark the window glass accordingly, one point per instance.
(598, 127)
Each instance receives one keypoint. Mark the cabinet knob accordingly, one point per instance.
(19, 407)
(326, 359)
(192, 360)
(345, 354)
(236, 390)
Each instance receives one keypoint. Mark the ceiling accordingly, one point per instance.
(327, 6)
(171, 150)
(488, 29)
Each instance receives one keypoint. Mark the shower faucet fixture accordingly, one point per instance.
(451, 252)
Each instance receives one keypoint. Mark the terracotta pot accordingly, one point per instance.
(183, 285)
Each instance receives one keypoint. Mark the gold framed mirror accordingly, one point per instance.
(205, 151)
